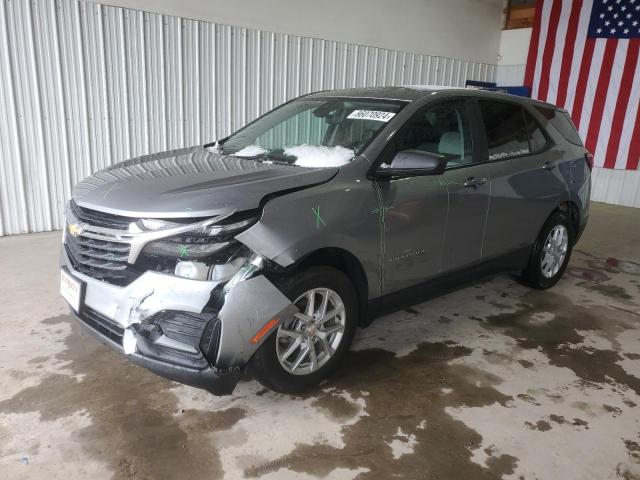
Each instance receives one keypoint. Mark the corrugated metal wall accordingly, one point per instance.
(85, 85)
(620, 187)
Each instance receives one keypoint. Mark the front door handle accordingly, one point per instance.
(475, 182)
(548, 165)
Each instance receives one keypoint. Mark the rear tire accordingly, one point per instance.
(551, 252)
(325, 338)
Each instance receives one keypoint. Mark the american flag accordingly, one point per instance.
(583, 56)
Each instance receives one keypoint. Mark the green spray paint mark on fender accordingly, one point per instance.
(319, 219)
(183, 251)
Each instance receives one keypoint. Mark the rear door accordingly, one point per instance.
(526, 184)
(468, 184)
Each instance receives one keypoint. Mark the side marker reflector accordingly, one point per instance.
(264, 330)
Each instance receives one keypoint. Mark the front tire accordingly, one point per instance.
(306, 349)
(551, 252)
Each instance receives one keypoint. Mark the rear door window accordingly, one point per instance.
(505, 128)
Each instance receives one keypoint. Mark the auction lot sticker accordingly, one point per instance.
(371, 115)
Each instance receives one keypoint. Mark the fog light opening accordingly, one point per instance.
(192, 270)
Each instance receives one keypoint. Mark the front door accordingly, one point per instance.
(412, 214)
(433, 224)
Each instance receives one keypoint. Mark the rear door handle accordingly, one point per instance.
(475, 182)
(548, 165)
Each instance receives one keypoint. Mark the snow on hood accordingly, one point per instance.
(215, 148)
(319, 155)
(250, 151)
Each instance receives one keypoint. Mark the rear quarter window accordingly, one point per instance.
(537, 139)
(563, 123)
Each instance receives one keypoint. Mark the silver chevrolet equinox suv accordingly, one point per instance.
(264, 251)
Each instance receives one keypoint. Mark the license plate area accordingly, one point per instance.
(71, 289)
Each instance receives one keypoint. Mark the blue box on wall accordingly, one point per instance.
(521, 91)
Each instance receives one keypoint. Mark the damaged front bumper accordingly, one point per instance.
(200, 333)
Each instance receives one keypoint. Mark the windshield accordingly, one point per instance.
(313, 132)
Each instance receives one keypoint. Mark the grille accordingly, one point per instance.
(102, 324)
(100, 258)
(101, 219)
(183, 327)
(195, 329)
(101, 245)
(210, 342)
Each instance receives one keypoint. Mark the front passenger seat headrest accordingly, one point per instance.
(450, 144)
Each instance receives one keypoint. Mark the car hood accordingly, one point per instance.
(190, 182)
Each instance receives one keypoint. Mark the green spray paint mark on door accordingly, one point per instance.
(381, 211)
(377, 210)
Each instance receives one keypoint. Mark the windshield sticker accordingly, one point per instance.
(371, 115)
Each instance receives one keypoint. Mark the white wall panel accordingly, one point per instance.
(465, 29)
(84, 85)
(510, 75)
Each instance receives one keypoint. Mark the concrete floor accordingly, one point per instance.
(492, 381)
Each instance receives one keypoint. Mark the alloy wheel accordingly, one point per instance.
(307, 341)
(554, 251)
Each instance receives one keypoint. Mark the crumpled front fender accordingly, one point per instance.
(248, 308)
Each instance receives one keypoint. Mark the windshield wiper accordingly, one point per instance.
(265, 158)
(280, 157)
(275, 156)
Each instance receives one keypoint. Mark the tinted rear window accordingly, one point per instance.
(505, 128)
(562, 122)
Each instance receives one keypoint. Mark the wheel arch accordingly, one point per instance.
(347, 263)
(572, 210)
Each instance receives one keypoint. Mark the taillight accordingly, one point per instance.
(589, 158)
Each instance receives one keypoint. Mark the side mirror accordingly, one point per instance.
(413, 163)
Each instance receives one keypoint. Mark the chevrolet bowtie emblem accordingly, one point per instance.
(75, 229)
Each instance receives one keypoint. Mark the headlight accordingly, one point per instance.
(214, 230)
(183, 247)
(199, 243)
